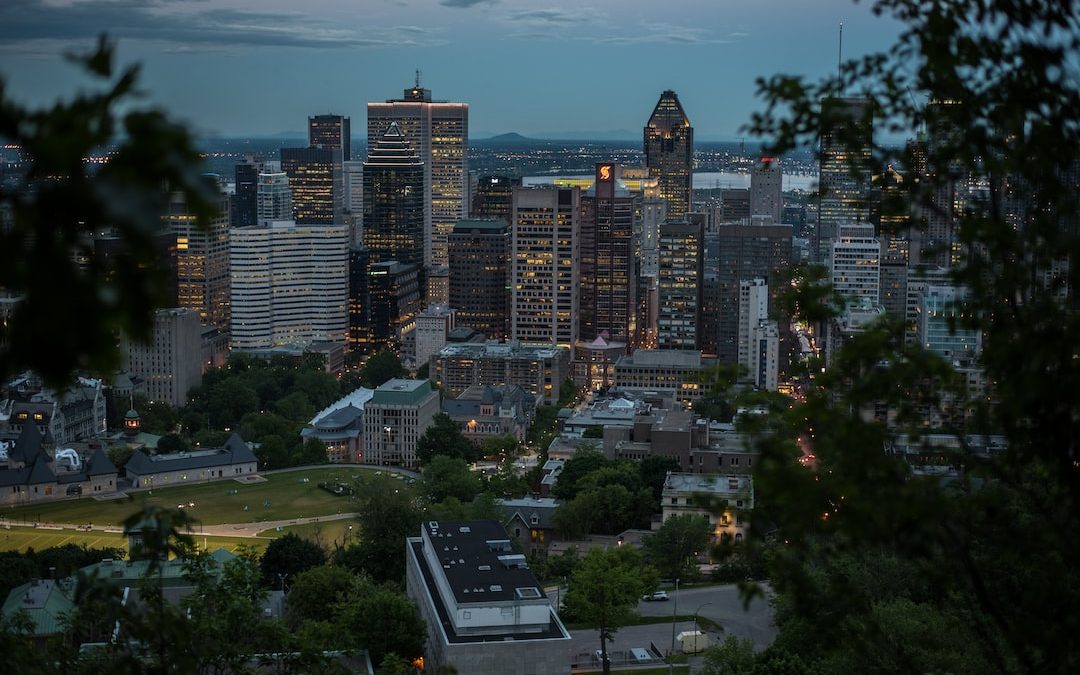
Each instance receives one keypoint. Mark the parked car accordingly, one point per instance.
(655, 595)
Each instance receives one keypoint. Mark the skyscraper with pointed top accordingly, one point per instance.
(394, 200)
(669, 152)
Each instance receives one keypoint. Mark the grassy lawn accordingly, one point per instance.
(281, 497)
(326, 534)
(22, 538)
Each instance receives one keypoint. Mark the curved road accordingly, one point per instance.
(723, 605)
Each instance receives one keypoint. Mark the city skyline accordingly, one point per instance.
(210, 62)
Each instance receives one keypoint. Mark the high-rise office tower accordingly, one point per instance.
(273, 198)
(480, 276)
(289, 284)
(855, 263)
(358, 297)
(244, 202)
(316, 183)
(679, 292)
(353, 184)
(202, 261)
(331, 132)
(669, 153)
(545, 253)
(493, 197)
(753, 308)
(394, 200)
(608, 268)
(847, 126)
(439, 132)
(766, 190)
(744, 252)
(394, 292)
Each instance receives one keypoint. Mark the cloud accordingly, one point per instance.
(662, 33)
(465, 4)
(184, 23)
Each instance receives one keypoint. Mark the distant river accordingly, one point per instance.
(704, 180)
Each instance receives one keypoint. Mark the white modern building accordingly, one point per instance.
(290, 284)
(485, 611)
(273, 198)
(432, 326)
(753, 308)
(855, 263)
(764, 355)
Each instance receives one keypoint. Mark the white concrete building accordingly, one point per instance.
(753, 309)
(290, 284)
(273, 198)
(855, 263)
(432, 326)
(485, 611)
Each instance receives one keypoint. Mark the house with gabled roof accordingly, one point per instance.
(234, 460)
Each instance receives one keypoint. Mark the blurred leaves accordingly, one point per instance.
(74, 305)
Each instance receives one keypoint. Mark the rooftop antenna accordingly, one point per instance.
(417, 78)
(840, 51)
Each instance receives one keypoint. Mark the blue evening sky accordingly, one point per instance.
(255, 67)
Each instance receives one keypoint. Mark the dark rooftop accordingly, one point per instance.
(480, 563)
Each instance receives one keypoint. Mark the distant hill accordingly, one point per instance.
(511, 138)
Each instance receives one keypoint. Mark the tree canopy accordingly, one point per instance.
(60, 201)
(990, 556)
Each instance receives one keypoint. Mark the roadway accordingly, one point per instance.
(723, 605)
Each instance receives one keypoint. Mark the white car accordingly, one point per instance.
(655, 595)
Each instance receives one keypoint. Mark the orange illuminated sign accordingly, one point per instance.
(605, 172)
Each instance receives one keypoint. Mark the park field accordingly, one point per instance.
(282, 496)
(23, 538)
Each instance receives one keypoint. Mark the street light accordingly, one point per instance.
(696, 613)
(674, 612)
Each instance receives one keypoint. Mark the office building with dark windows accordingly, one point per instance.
(316, 183)
(480, 276)
(393, 300)
(202, 260)
(395, 417)
(394, 200)
(608, 269)
(847, 126)
(669, 153)
(493, 197)
(331, 132)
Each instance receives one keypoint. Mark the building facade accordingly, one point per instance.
(315, 179)
(669, 153)
(202, 261)
(396, 417)
(331, 132)
(290, 284)
(540, 370)
(545, 259)
(273, 198)
(480, 276)
(394, 208)
(847, 126)
(170, 364)
(679, 285)
(439, 132)
(608, 268)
